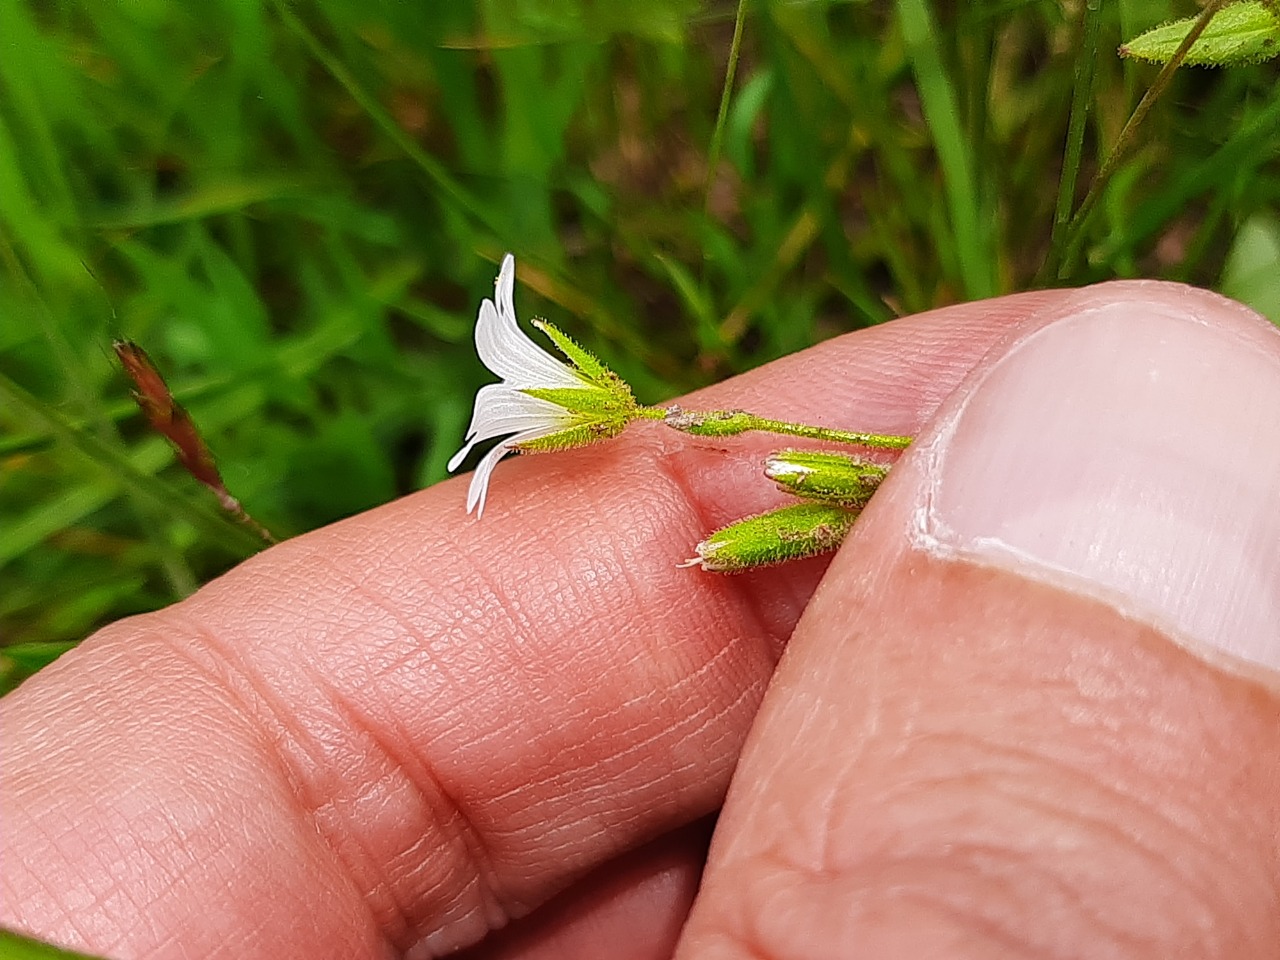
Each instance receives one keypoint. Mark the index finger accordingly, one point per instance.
(402, 730)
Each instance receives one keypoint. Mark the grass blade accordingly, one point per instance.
(973, 236)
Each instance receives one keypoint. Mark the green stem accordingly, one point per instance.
(731, 423)
(881, 440)
(1082, 91)
(726, 95)
(437, 172)
(1073, 236)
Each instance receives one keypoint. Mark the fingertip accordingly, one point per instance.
(1122, 447)
(1003, 725)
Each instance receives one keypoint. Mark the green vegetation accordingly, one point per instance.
(16, 946)
(295, 208)
(1244, 32)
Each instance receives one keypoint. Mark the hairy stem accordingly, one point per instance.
(731, 423)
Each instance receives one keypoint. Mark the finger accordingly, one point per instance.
(1033, 709)
(403, 730)
(631, 908)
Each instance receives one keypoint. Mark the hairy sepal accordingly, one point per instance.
(836, 478)
(790, 533)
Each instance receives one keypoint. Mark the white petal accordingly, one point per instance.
(480, 479)
(504, 287)
(508, 351)
(456, 460)
(479, 488)
(503, 409)
(500, 410)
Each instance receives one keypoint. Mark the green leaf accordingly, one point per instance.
(1241, 33)
(16, 946)
(970, 223)
(1250, 274)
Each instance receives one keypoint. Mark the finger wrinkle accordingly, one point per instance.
(62, 919)
(746, 598)
(1035, 840)
(607, 789)
(454, 881)
(286, 747)
(1056, 819)
(145, 825)
(1015, 770)
(1027, 904)
(979, 900)
(474, 877)
(250, 696)
(497, 621)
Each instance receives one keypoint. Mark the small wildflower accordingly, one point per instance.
(542, 403)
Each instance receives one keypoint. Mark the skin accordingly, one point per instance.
(409, 730)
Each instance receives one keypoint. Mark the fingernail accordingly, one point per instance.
(1129, 450)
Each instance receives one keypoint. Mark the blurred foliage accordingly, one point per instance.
(295, 208)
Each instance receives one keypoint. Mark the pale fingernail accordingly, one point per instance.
(1129, 450)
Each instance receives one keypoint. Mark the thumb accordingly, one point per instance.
(1034, 707)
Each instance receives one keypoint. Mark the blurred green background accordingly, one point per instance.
(295, 208)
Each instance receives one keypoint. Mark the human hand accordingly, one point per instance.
(408, 728)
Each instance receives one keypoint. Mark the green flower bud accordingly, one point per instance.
(827, 477)
(800, 530)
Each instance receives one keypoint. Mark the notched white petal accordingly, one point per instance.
(456, 460)
(479, 488)
(504, 409)
(500, 410)
(504, 287)
(506, 350)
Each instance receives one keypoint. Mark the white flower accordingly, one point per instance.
(542, 403)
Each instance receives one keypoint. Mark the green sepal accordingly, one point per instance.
(1239, 33)
(585, 361)
(800, 530)
(576, 435)
(826, 477)
(591, 401)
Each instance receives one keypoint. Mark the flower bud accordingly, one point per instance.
(800, 530)
(826, 477)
